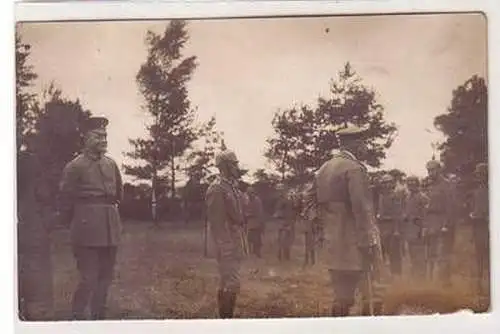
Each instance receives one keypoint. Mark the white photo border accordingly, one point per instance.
(128, 10)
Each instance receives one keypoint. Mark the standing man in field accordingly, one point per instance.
(438, 221)
(346, 211)
(480, 223)
(91, 189)
(285, 214)
(412, 228)
(225, 214)
(389, 218)
(255, 219)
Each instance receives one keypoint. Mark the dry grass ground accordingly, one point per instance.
(162, 273)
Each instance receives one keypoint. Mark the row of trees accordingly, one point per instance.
(176, 146)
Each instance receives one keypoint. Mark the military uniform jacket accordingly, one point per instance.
(91, 188)
(226, 218)
(285, 211)
(390, 212)
(415, 206)
(439, 211)
(345, 210)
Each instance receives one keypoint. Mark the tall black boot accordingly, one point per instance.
(226, 301)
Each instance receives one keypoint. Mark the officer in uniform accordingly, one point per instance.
(285, 213)
(480, 223)
(438, 221)
(255, 219)
(412, 229)
(389, 218)
(311, 225)
(91, 189)
(346, 211)
(225, 215)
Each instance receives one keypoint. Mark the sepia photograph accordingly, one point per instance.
(260, 167)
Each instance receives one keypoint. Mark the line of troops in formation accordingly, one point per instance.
(339, 202)
(361, 238)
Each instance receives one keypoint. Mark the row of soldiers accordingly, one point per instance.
(363, 236)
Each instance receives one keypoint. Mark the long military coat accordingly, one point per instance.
(439, 212)
(345, 210)
(91, 187)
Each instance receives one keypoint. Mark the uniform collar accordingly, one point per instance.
(348, 155)
(92, 155)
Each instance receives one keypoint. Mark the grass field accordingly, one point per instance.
(161, 273)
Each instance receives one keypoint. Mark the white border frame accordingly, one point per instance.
(114, 10)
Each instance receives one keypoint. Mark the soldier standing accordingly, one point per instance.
(438, 220)
(226, 218)
(346, 211)
(389, 217)
(285, 214)
(311, 225)
(412, 228)
(255, 219)
(91, 189)
(480, 222)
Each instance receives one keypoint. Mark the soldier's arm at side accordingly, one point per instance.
(215, 207)
(362, 208)
(67, 189)
(119, 184)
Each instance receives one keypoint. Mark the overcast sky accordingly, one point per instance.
(249, 68)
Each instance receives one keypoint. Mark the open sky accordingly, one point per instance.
(249, 68)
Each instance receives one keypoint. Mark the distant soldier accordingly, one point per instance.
(438, 220)
(285, 213)
(91, 189)
(311, 224)
(389, 218)
(412, 228)
(226, 218)
(480, 222)
(255, 219)
(346, 210)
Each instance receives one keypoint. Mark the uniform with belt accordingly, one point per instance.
(255, 220)
(226, 218)
(437, 222)
(285, 213)
(91, 188)
(412, 229)
(346, 212)
(390, 215)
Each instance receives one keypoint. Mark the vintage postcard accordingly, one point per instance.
(255, 167)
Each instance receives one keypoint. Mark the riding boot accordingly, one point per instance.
(341, 309)
(226, 300)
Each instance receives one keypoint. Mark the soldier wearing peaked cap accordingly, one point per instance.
(346, 211)
(480, 223)
(225, 213)
(439, 222)
(91, 189)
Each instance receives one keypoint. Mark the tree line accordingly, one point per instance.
(176, 146)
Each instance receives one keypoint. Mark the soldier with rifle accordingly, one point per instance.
(346, 211)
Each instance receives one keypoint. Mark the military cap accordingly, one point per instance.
(433, 164)
(387, 178)
(412, 178)
(94, 123)
(351, 131)
(481, 168)
(225, 156)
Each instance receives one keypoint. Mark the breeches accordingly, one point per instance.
(96, 267)
(229, 271)
(392, 249)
